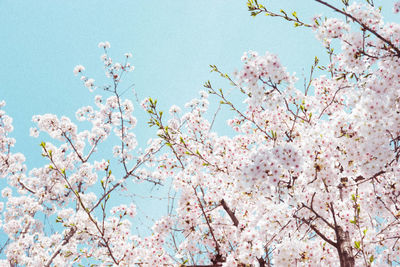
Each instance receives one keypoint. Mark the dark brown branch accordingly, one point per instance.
(380, 37)
(208, 224)
(316, 214)
(65, 241)
(230, 213)
(309, 223)
(333, 100)
(344, 248)
(25, 187)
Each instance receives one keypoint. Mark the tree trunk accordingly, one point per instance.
(344, 248)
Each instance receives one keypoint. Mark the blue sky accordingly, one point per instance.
(172, 42)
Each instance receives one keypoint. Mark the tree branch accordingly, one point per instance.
(65, 241)
(380, 37)
(230, 213)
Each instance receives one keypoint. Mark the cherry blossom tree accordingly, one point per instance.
(308, 177)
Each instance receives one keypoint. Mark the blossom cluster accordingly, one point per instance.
(269, 164)
(267, 68)
(306, 177)
(331, 28)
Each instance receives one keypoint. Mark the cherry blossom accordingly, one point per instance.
(307, 176)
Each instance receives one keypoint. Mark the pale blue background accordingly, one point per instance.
(173, 43)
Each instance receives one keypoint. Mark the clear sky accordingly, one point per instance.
(172, 41)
